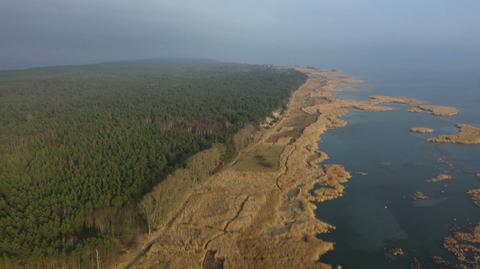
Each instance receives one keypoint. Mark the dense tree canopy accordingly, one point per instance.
(79, 144)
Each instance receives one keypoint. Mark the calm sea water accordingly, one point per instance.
(377, 213)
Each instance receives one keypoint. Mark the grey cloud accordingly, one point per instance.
(47, 32)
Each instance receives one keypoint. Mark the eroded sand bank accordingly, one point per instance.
(256, 214)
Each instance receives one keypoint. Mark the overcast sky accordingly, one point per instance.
(50, 32)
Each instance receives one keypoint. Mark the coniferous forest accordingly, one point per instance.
(81, 145)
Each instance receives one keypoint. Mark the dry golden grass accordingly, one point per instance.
(263, 158)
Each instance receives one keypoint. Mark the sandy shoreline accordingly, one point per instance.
(259, 211)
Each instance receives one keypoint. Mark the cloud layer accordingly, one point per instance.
(48, 32)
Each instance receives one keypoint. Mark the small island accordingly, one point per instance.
(398, 252)
(441, 177)
(436, 110)
(419, 196)
(421, 130)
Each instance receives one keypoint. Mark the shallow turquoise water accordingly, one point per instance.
(377, 212)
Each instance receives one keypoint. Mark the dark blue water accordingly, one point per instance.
(377, 212)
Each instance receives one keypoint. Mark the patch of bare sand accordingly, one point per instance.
(467, 135)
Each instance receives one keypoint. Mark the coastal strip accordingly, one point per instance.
(259, 210)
